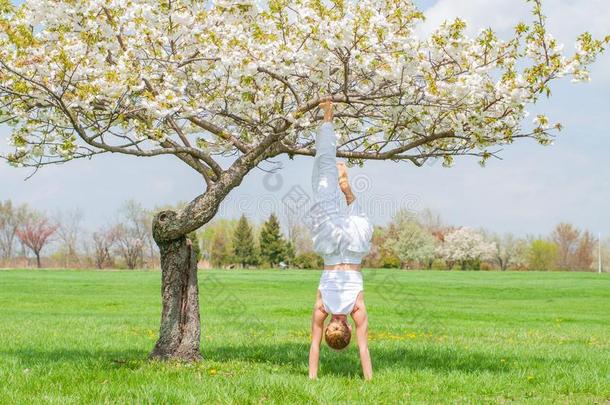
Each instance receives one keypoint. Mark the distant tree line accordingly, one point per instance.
(31, 238)
(423, 241)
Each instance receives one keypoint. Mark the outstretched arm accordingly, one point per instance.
(317, 326)
(360, 317)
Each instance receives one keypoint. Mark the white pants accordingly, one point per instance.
(340, 233)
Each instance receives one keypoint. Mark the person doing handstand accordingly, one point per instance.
(342, 236)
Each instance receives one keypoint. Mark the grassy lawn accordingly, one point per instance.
(436, 337)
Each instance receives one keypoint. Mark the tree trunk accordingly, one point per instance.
(38, 260)
(180, 329)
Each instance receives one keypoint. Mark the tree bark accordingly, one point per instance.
(38, 263)
(180, 329)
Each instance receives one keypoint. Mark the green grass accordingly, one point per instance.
(436, 337)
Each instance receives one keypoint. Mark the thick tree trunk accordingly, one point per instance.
(38, 263)
(180, 325)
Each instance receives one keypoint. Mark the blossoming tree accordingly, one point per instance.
(465, 245)
(203, 79)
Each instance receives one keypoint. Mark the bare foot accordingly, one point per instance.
(327, 106)
(344, 182)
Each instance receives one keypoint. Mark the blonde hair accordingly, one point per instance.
(337, 334)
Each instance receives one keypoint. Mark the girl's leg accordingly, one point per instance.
(325, 178)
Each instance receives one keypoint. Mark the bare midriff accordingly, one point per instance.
(343, 266)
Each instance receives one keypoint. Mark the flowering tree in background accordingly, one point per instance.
(509, 250)
(410, 241)
(199, 80)
(35, 234)
(414, 244)
(465, 245)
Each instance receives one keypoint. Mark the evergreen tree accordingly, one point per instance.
(243, 243)
(272, 243)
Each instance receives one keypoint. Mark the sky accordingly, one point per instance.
(529, 191)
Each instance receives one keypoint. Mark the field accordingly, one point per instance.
(436, 337)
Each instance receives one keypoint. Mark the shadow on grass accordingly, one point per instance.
(295, 356)
(115, 358)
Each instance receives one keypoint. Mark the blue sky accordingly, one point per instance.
(528, 192)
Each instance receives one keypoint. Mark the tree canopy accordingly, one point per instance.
(203, 78)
